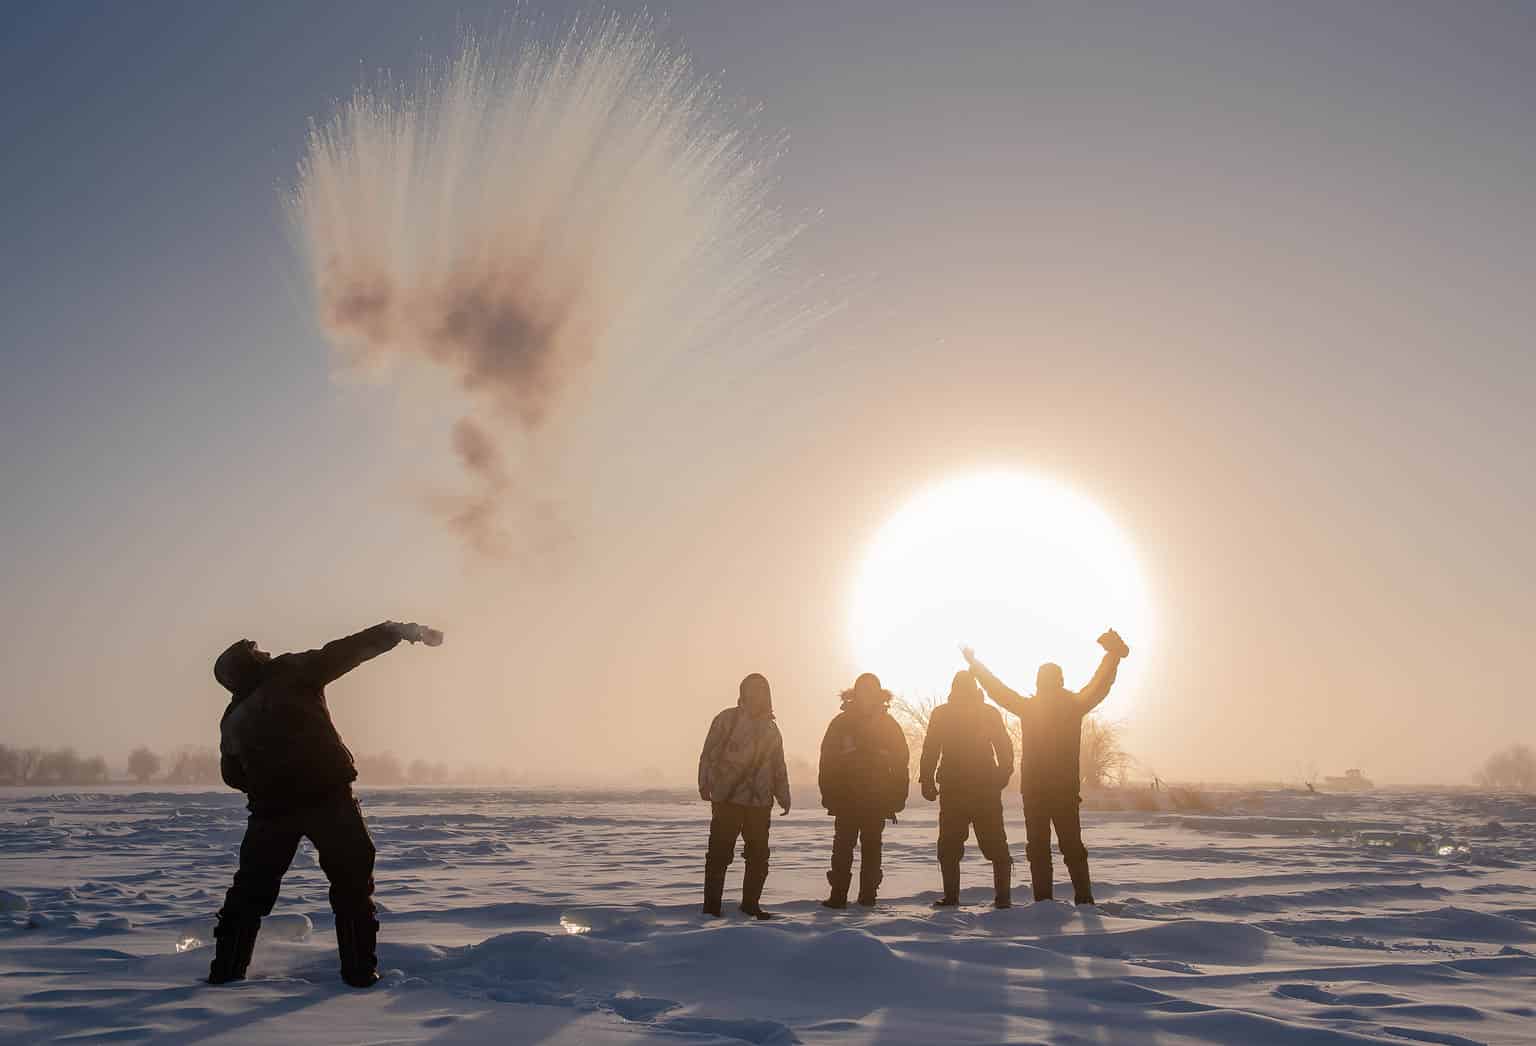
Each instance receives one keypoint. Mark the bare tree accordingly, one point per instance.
(195, 766)
(1512, 770)
(143, 764)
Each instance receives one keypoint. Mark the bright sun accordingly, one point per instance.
(1021, 568)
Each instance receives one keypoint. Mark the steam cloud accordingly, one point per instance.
(520, 219)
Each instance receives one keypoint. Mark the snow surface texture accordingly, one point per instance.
(539, 918)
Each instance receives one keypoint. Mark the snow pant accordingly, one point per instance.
(864, 831)
(1064, 814)
(958, 814)
(727, 823)
(346, 854)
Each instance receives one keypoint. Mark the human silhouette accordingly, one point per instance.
(863, 780)
(966, 762)
(741, 775)
(279, 746)
(1050, 778)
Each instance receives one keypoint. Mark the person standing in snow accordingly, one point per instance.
(966, 762)
(1050, 780)
(741, 775)
(279, 746)
(863, 780)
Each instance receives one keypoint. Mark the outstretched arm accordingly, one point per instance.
(341, 656)
(1002, 695)
(1104, 677)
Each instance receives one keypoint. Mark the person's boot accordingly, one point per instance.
(714, 889)
(869, 888)
(838, 899)
(950, 871)
(233, 945)
(1040, 880)
(357, 938)
(752, 893)
(1002, 884)
(1082, 884)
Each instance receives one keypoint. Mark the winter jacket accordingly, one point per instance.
(277, 742)
(743, 760)
(967, 751)
(1052, 723)
(864, 761)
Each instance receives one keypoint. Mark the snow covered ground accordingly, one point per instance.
(522, 918)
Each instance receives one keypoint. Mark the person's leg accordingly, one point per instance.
(1037, 848)
(845, 832)
(954, 830)
(1069, 839)
(756, 820)
(265, 853)
(724, 829)
(992, 840)
(871, 832)
(347, 854)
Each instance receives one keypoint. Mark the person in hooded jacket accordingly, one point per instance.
(741, 775)
(279, 746)
(1050, 776)
(966, 762)
(863, 779)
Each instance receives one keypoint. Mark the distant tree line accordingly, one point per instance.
(1511, 770)
(50, 766)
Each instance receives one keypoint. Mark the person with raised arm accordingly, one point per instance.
(279, 746)
(966, 762)
(864, 780)
(1050, 778)
(741, 775)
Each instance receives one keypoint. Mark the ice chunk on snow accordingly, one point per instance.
(288, 927)
(13, 902)
(620, 921)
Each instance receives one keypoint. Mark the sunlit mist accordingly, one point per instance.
(1022, 568)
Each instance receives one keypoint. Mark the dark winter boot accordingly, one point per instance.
(234, 944)
(838, 899)
(714, 888)
(950, 871)
(1002, 883)
(1082, 885)
(357, 936)
(752, 893)
(869, 889)
(1040, 879)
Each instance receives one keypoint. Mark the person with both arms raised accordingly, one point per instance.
(1049, 773)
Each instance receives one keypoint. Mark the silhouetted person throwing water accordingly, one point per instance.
(967, 760)
(863, 779)
(741, 775)
(280, 748)
(1050, 778)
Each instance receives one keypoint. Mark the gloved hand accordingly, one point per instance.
(930, 793)
(1112, 642)
(969, 655)
(414, 633)
(704, 794)
(784, 808)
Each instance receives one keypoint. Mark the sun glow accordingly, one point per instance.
(1023, 569)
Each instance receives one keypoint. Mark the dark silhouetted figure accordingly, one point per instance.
(741, 775)
(1050, 777)
(279, 747)
(967, 760)
(863, 779)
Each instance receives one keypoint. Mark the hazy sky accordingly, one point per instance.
(1256, 279)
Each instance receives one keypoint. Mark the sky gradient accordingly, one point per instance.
(1256, 281)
